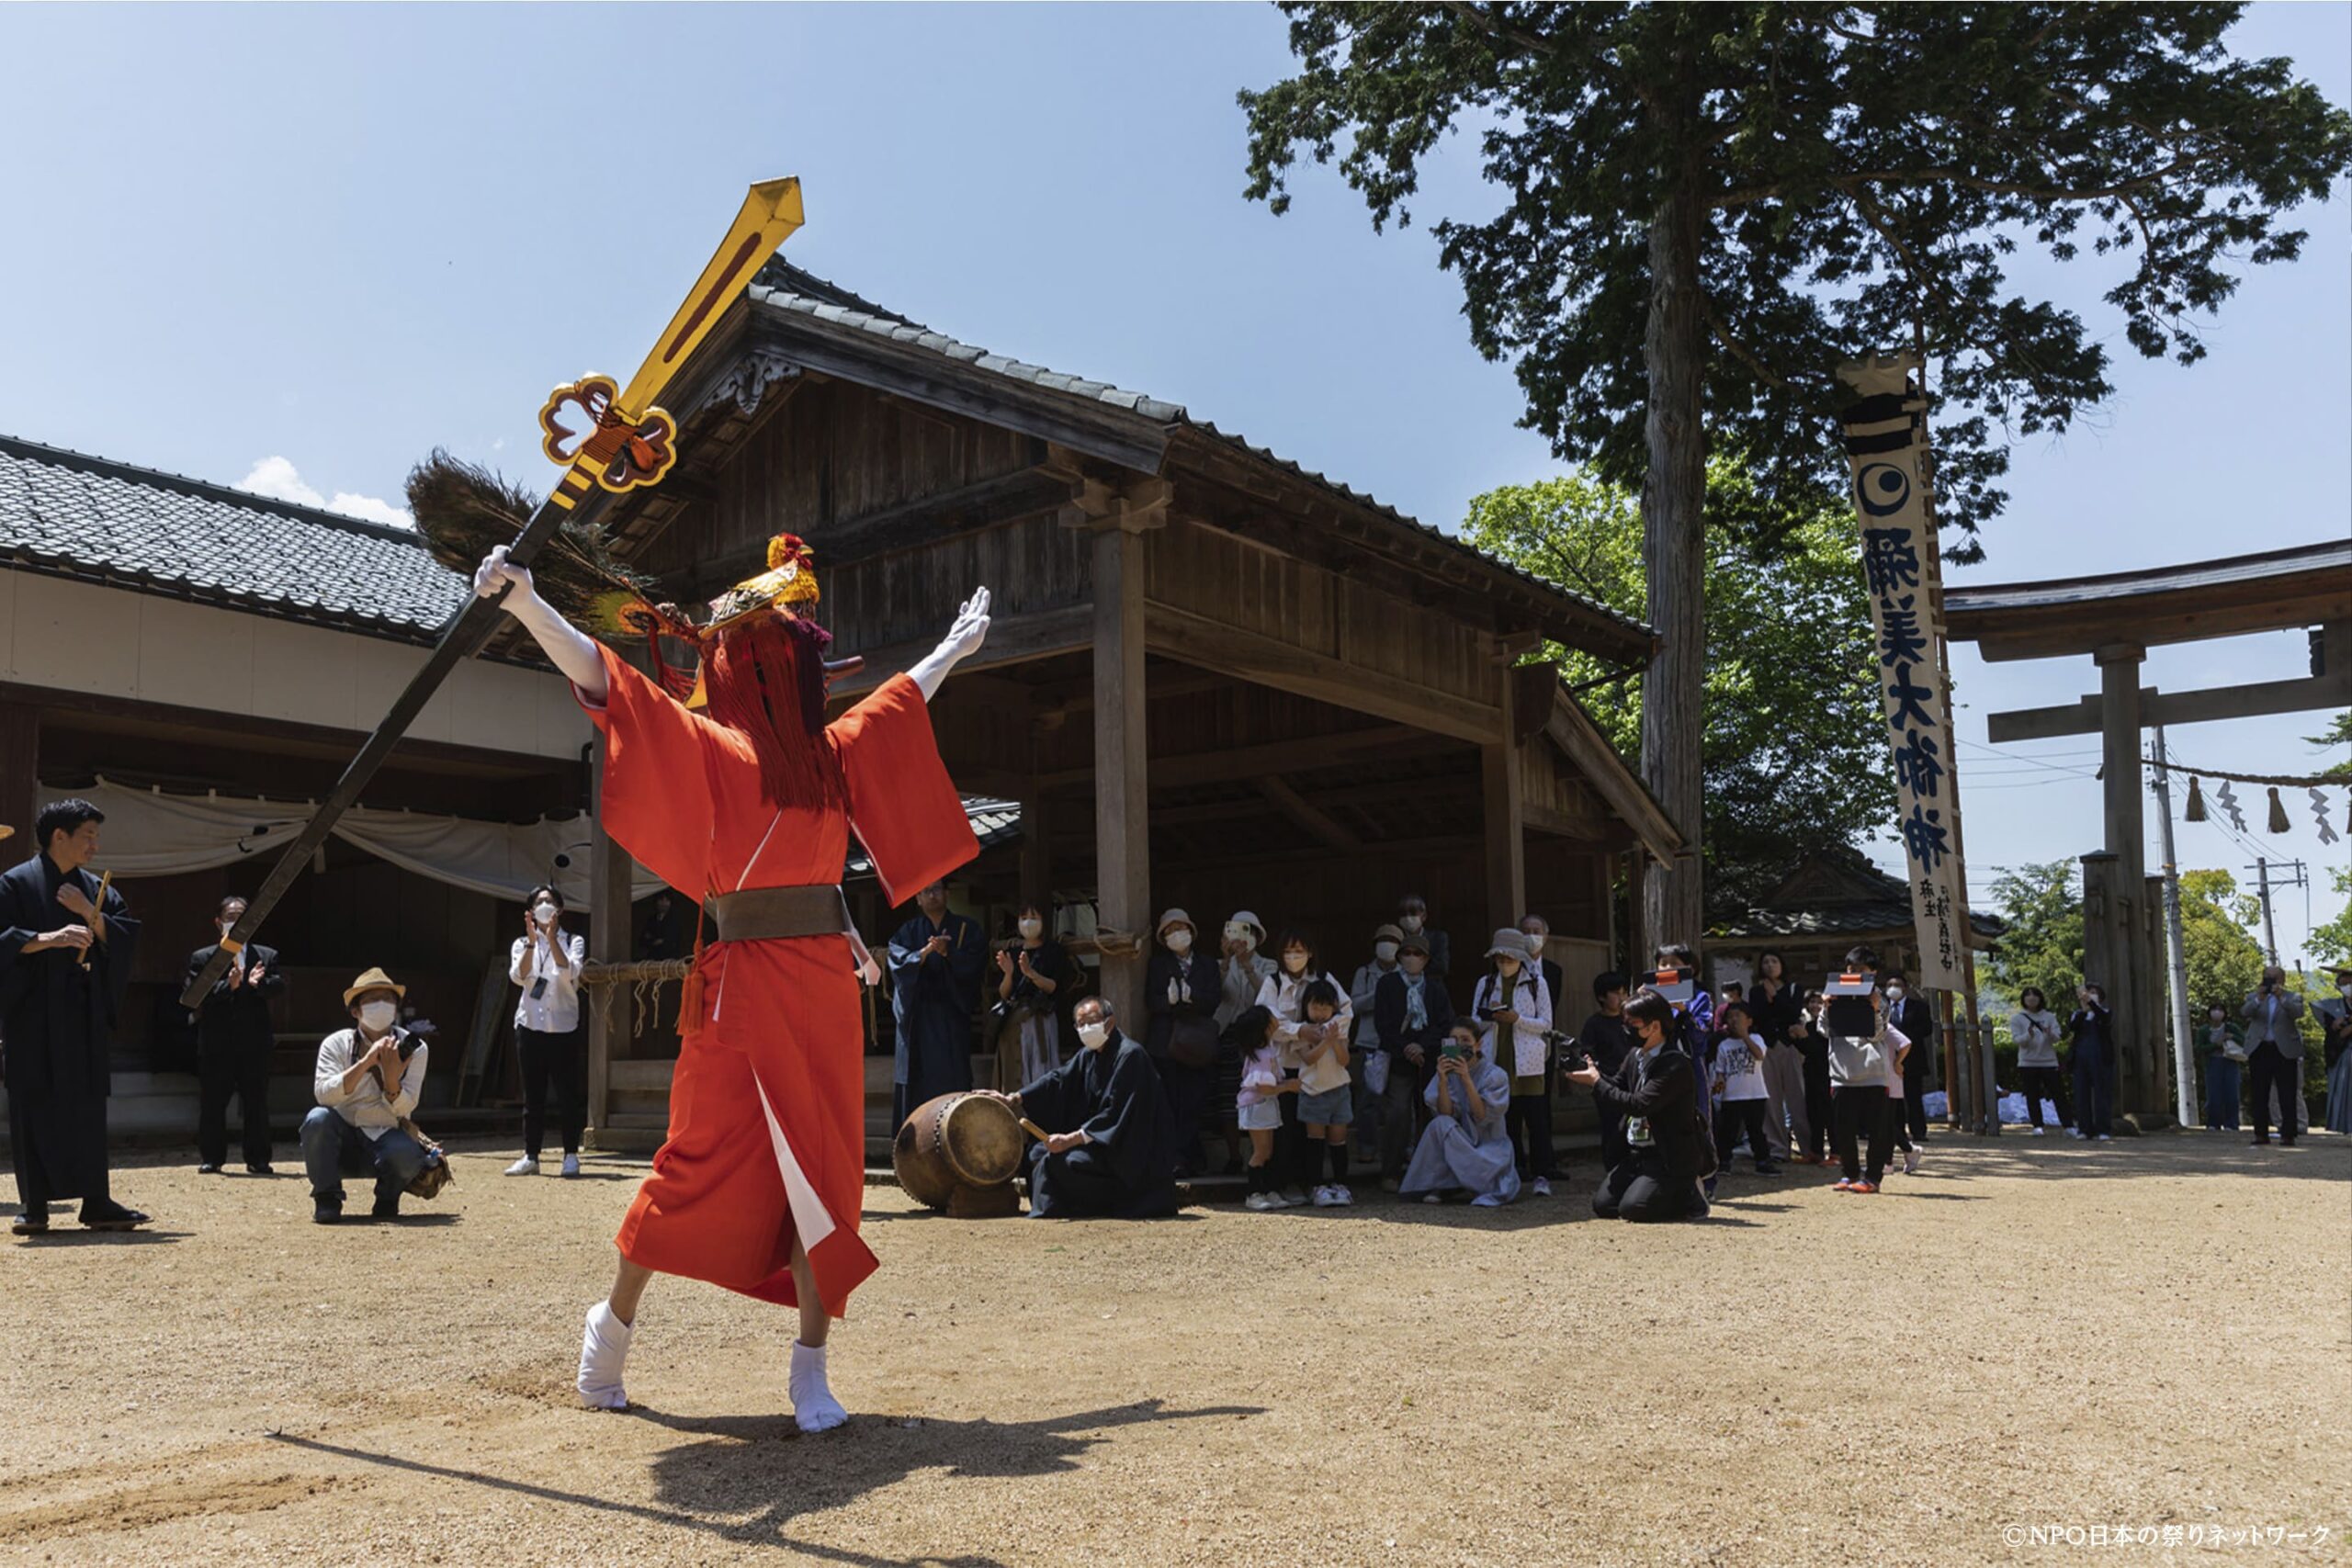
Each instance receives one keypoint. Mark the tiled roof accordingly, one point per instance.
(993, 822)
(785, 287)
(69, 514)
(1841, 920)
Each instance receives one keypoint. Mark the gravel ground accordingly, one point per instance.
(2154, 1332)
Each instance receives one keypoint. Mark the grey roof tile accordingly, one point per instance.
(72, 515)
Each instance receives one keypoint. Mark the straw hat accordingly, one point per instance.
(374, 980)
(1508, 941)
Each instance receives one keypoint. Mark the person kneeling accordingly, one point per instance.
(1111, 1149)
(1466, 1149)
(369, 1077)
(1654, 1091)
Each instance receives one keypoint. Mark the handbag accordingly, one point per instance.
(1375, 1071)
(437, 1174)
(1192, 1040)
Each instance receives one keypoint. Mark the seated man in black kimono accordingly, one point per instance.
(1112, 1151)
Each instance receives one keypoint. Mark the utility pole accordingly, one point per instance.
(2261, 869)
(2184, 1071)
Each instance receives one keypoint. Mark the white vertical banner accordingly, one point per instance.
(1886, 430)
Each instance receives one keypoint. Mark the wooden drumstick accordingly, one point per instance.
(1033, 1130)
(98, 917)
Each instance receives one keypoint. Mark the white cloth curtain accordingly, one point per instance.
(150, 834)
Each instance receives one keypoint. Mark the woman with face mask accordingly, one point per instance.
(2223, 1044)
(1035, 991)
(2033, 1029)
(2335, 1025)
(550, 1044)
(235, 1042)
(1181, 992)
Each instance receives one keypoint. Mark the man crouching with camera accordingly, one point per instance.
(367, 1080)
(1654, 1090)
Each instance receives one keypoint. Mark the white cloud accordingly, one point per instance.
(280, 481)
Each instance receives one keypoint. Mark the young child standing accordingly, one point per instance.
(1258, 1108)
(1897, 1122)
(1739, 1083)
(1298, 1160)
(1326, 1098)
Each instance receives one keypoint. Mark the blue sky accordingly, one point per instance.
(307, 244)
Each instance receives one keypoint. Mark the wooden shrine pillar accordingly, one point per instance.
(19, 780)
(1122, 779)
(611, 1018)
(1506, 823)
(2118, 670)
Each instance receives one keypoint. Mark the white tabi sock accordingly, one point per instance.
(603, 1348)
(813, 1405)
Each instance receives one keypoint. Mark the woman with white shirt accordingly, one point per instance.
(1511, 1010)
(548, 1041)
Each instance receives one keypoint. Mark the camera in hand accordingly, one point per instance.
(1676, 986)
(1451, 1052)
(1850, 1011)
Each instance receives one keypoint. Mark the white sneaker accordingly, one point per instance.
(603, 1348)
(2106, 1138)
(1911, 1163)
(1341, 1196)
(1263, 1202)
(814, 1409)
(526, 1166)
(2035, 1134)
(1540, 1186)
(1323, 1198)
(1293, 1198)
(571, 1165)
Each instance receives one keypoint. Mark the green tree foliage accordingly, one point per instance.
(2331, 942)
(1794, 752)
(1704, 209)
(2043, 944)
(2337, 738)
(2224, 961)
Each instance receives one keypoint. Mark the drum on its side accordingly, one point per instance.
(957, 1140)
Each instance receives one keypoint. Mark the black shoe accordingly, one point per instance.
(31, 1222)
(113, 1217)
(2259, 1143)
(325, 1213)
(1767, 1170)
(256, 1168)
(209, 1168)
(385, 1209)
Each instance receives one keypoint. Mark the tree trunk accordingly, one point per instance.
(1674, 496)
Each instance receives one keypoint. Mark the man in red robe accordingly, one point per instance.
(748, 807)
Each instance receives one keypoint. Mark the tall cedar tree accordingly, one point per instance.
(1708, 206)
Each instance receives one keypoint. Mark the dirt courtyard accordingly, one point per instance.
(2155, 1332)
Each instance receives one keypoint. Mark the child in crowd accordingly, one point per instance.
(1326, 1098)
(2224, 1043)
(1739, 1080)
(1466, 1149)
(1250, 1037)
(1898, 1127)
(1283, 994)
(1513, 1012)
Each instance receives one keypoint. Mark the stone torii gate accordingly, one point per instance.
(2115, 619)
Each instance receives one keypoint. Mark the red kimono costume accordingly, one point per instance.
(767, 1105)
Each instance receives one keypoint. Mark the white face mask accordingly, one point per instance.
(377, 1017)
(1294, 962)
(1091, 1035)
(546, 911)
(1384, 951)
(1534, 941)
(1409, 924)
(1180, 941)
(1031, 928)
(2346, 989)
(1894, 993)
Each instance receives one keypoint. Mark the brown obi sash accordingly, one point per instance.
(768, 914)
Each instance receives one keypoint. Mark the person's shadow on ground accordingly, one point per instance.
(728, 1481)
